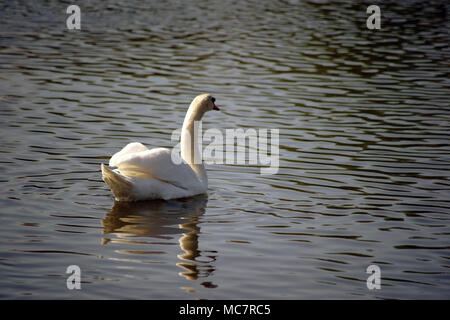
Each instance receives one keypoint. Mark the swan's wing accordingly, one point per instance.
(157, 164)
(128, 149)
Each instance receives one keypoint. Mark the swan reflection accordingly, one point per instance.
(164, 220)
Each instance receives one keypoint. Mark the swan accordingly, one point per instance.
(148, 174)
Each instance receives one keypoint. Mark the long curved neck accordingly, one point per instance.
(190, 134)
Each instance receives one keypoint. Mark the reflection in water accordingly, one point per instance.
(364, 148)
(157, 219)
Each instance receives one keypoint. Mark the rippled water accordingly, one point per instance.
(364, 124)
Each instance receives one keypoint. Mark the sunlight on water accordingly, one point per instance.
(363, 118)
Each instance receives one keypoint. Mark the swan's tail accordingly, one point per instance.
(120, 186)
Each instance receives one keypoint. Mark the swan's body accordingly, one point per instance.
(146, 174)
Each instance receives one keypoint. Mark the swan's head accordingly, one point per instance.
(205, 102)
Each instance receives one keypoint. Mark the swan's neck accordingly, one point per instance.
(190, 136)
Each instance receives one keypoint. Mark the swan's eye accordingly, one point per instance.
(213, 99)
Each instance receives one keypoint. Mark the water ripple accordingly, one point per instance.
(364, 149)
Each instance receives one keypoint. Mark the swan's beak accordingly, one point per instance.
(215, 107)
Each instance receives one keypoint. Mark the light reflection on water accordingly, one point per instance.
(164, 221)
(364, 149)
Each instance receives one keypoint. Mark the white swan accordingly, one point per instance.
(144, 174)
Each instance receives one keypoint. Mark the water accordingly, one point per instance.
(364, 149)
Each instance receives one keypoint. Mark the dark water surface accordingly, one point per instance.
(364, 122)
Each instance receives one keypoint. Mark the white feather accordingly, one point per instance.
(145, 174)
(154, 175)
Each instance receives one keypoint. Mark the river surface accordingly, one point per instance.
(364, 157)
